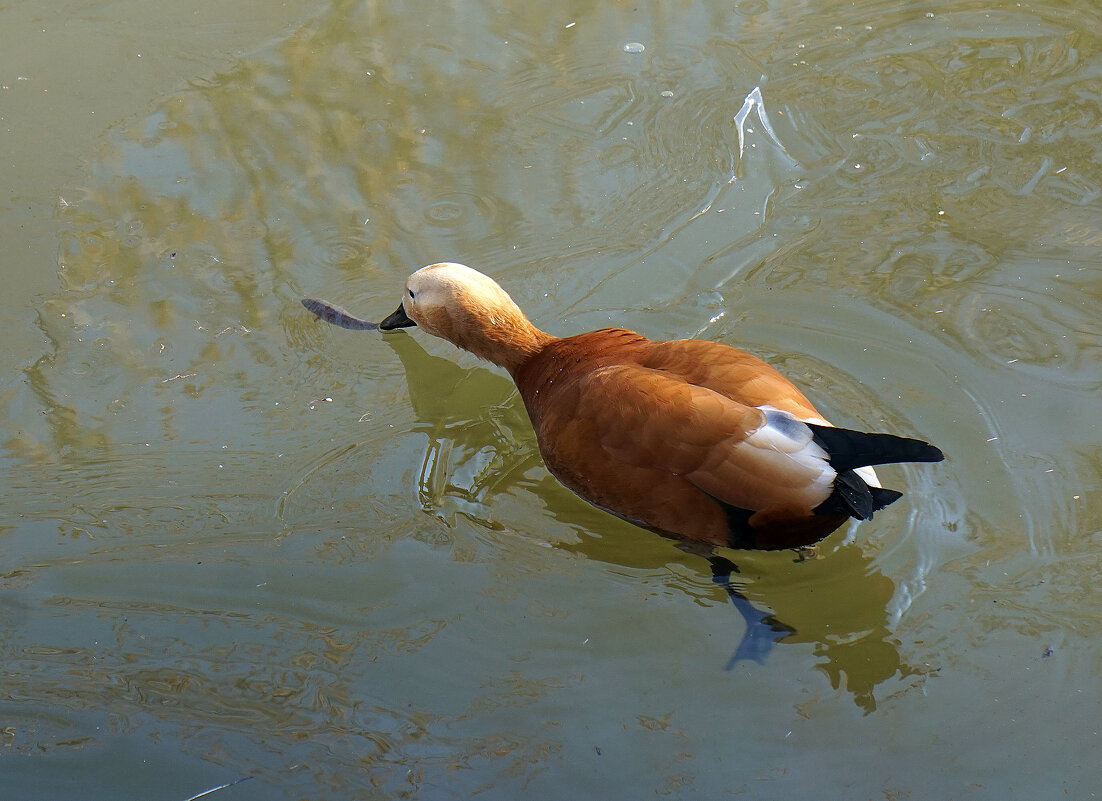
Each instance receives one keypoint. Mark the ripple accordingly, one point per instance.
(324, 247)
(464, 216)
(1045, 320)
(1007, 109)
(462, 209)
(653, 139)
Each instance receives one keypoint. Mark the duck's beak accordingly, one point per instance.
(397, 320)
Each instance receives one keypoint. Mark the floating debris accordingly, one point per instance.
(337, 316)
(220, 787)
(754, 102)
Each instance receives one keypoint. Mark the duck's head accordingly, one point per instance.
(468, 309)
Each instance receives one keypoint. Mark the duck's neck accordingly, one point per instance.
(508, 341)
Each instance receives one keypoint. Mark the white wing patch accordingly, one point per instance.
(869, 475)
(786, 433)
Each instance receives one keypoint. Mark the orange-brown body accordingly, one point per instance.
(641, 429)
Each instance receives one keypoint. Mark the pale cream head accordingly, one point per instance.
(471, 311)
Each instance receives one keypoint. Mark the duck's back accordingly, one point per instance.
(731, 372)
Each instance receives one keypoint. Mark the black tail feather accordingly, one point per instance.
(882, 497)
(853, 497)
(852, 490)
(849, 449)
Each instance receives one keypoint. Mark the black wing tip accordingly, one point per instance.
(933, 453)
(918, 450)
(854, 497)
(882, 497)
(848, 448)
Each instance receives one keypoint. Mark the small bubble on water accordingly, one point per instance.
(634, 47)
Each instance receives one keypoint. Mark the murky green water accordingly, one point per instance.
(240, 543)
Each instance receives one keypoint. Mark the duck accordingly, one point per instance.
(693, 439)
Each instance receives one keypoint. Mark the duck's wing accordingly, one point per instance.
(730, 372)
(669, 432)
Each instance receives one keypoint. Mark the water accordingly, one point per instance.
(238, 542)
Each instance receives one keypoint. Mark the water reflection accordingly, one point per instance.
(836, 601)
(853, 639)
(468, 460)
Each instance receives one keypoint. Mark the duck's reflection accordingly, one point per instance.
(480, 445)
(471, 419)
(837, 602)
(832, 597)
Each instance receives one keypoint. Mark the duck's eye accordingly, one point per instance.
(410, 291)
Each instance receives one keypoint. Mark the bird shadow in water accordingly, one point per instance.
(763, 630)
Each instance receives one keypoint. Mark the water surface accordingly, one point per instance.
(239, 542)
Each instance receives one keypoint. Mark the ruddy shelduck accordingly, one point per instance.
(690, 438)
